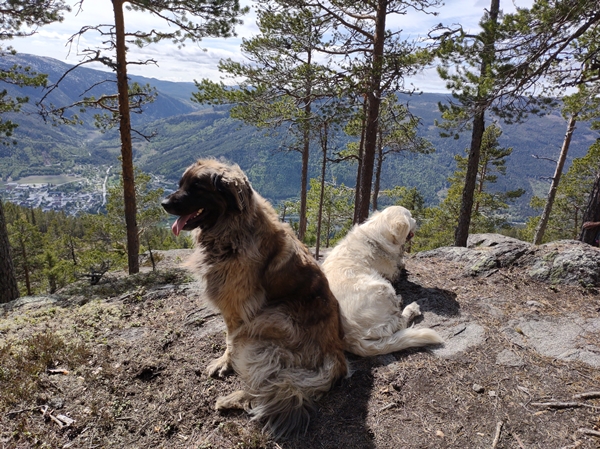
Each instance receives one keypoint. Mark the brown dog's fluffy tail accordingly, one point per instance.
(283, 398)
(403, 339)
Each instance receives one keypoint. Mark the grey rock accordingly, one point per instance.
(509, 358)
(565, 338)
(569, 262)
(459, 338)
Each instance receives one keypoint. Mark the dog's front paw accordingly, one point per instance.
(237, 400)
(411, 311)
(220, 367)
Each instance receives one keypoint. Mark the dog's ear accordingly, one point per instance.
(237, 190)
(400, 228)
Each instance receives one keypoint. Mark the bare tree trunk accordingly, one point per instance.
(374, 102)
(543, 223)
(377, 185)
(133, 241)
(592, 213)
(72, 250)
(304, 186)
(466, 206)
(461, 233)
(322, 194)
(305, 155)
(9, 289)
(25, 265)
(328, 230)
(361, 152)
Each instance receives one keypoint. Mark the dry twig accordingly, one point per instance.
(590, 432)
(497, 437)
(519, 442)
(561, 404)
(587, 395)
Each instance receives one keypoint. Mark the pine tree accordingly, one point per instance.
(17, 16)
(489, 207)
(187, 21)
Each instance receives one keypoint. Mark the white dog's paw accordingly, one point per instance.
(220, 367)
(237, 400)
(411, 311)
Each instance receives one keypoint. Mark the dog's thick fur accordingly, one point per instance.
(360, 270)
(284, 334)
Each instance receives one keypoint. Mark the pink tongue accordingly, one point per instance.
(180, 223)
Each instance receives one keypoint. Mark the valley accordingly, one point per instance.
(172, 132)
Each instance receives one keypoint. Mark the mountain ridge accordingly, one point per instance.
(186, 131)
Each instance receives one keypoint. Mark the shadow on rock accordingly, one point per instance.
(435, 300)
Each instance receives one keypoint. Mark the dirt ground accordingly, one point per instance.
(125, 361)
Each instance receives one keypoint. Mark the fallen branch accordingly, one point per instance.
(591, 432)
(520, 443)
(387, 407)
(561, 404)
(497, 437)
(588, 395)
(16, 412)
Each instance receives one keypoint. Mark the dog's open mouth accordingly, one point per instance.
(410, 235)
(186, 222)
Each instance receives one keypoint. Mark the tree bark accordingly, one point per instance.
(304, 181)
(25, 265)
(324, 136)
(9, 289)
(466, 206)
(133, 241)
(461, 233)
(377, 185)
(373, 104)
(543, 223)
(592, 213)
(361, 152)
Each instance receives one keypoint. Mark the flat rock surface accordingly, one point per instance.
(513, 341)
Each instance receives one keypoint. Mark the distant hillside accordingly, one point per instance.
(186, 131)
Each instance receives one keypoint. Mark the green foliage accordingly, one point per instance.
(552, 40)
(489, 210)
(409, 198)
(571, 199)
(338, 211)
(188, 20)
(52, 249)
(16, 15)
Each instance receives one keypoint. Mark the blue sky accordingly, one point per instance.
(196, 61)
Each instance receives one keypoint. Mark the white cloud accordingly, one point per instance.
(196, 61)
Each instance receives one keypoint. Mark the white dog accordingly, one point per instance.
(360, 271)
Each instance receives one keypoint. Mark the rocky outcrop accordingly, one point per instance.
(568, 262)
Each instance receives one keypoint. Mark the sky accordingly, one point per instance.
(197, 61)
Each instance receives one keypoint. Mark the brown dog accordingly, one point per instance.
(284, 336)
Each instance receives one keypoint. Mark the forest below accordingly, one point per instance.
(184, 131)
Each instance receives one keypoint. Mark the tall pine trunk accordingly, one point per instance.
(302, 220)
(543, 223)
(373, 105)
(9, 288)
(361, 152)
(461, 233)
(377, 185)
(133, 240)
(324, 136)
(468, 196)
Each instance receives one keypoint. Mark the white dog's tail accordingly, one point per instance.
(285, 399)
(403, 339)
